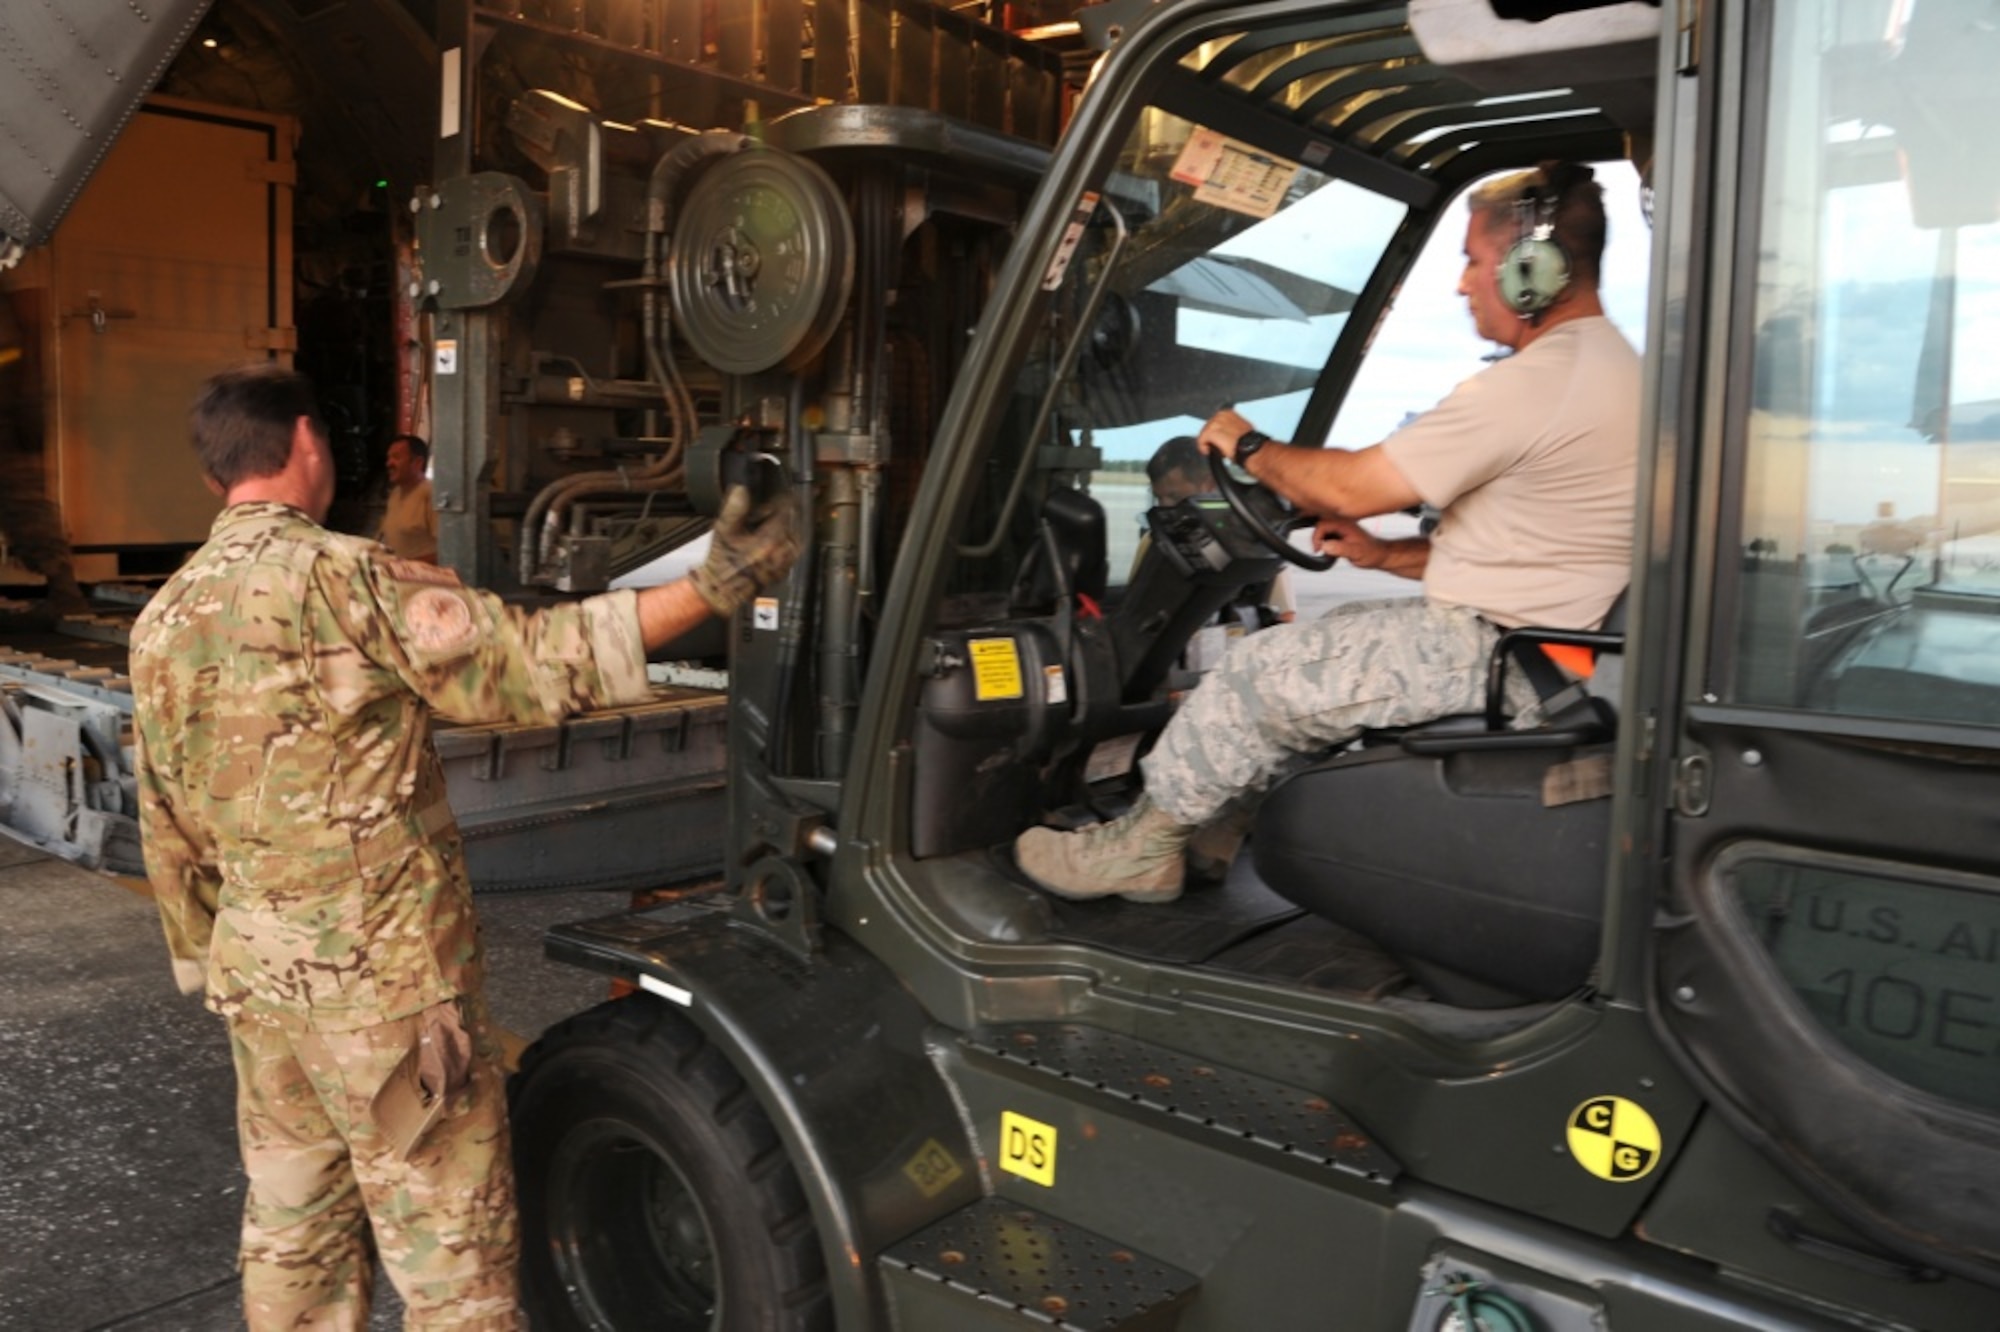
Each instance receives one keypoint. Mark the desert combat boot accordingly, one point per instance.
(1137, 857)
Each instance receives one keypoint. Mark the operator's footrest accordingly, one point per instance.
(1000, 1265)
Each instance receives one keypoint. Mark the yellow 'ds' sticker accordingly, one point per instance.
(996, 668)
(1614, 1139)
(1028, 1148)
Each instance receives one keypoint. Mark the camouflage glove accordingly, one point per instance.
(744, 555)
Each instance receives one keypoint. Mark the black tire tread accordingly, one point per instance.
(641, 1026)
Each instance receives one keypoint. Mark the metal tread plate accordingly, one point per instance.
(1051, 1272)
(1258, 1110)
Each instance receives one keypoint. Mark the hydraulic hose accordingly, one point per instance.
(543, 524)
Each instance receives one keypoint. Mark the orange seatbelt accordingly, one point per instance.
(1577, 660)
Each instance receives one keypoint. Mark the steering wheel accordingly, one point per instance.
(1271, 526)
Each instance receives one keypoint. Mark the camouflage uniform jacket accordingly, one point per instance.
(296, 832)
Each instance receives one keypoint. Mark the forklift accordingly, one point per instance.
(1714, 1045)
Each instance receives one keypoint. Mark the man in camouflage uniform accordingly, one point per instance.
(1533, 464)
(310, 875)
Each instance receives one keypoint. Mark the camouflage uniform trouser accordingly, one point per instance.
(1282, 697)
(324, 1167)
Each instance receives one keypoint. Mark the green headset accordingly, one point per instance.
(1536, 268)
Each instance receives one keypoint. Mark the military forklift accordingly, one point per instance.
(1670, 1003)
(1676, 1008)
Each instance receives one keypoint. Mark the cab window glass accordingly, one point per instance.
(1870, 545)
(1903, 972)
(1232, 284)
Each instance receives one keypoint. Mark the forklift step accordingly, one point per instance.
(1244, 1107)
(1000, 1264)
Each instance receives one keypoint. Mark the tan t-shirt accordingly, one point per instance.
(410, 522)
(1534, 462)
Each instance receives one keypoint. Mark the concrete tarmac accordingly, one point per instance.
(120, 1184)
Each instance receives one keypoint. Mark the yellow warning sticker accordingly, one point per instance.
(933, 1169)
(1614, 1139)
(996, 668)
(1028, 1148)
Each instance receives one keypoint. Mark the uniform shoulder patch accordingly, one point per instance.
(438, 621)
(418, 572)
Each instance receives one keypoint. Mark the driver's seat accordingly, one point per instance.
(1471, 852)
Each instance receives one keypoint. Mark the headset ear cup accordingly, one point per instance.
(1532, 274)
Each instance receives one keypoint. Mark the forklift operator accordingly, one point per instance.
(1532, 462)
(308, 870)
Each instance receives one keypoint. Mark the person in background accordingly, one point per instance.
(410, 522)
(1179, 470)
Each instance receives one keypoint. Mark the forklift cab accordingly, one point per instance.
(1473, 894)
(1195, 281)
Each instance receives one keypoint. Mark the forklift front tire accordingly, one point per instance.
(654, 1190)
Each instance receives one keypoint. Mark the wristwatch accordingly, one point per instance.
(1248, 443)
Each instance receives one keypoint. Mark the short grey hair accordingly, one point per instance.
(1578, 210)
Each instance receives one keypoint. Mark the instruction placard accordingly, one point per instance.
(996, 669)
(1112, 758)
(1079, 219)
(1233, 175)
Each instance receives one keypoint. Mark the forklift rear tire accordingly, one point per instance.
(654, 1190)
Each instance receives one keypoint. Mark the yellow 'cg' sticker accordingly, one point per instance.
(1028, 1148)
(1614, 1139)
